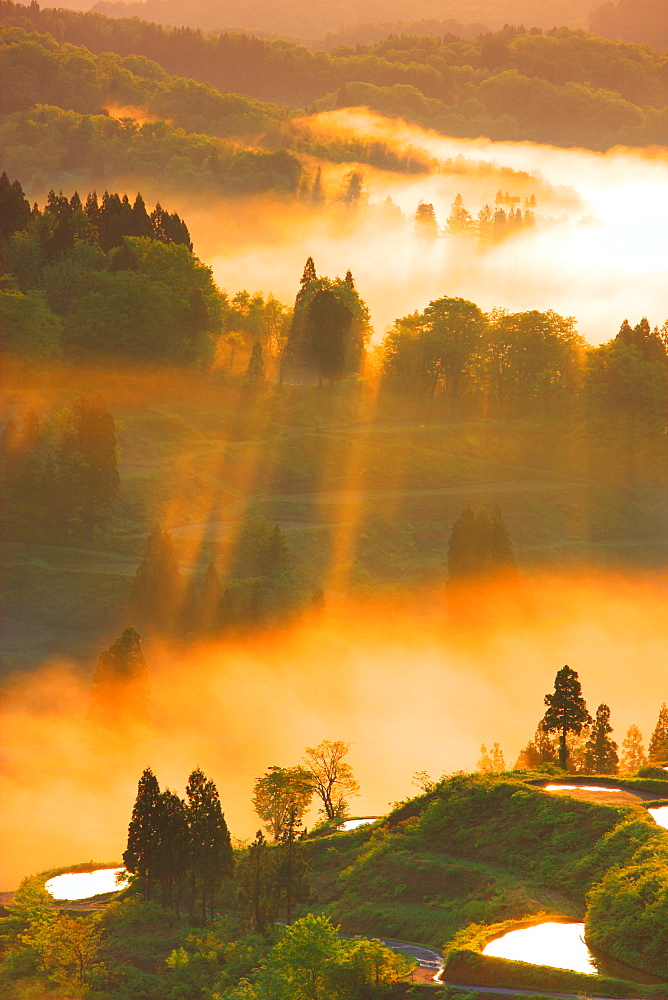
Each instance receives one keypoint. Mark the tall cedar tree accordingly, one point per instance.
(291, 866)
(120, 682)
(157, 584)
(175, 849)
(211, 855)
(566, 710)
(141, 857)
(657, 751)
(600, 751)
(257, 886)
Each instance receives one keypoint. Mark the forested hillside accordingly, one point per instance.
(563, 87)
(313, 20)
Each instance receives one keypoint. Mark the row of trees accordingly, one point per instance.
(503, 365)
(490, 226)
(103, 224)
(567, 735)
(179, 850)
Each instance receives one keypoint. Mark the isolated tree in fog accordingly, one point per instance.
(332, 776)
(479, 545)
(157, 584)
(633, 751)
(484, 761)
(282, 794)
(255, 370)
(498, 761)
(566, 711)
(600, 755)
(120, 682)
(657, 751)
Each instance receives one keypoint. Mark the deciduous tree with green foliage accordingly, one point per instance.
(282, 794)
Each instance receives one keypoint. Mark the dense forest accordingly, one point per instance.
(302, 20)
(562, 86)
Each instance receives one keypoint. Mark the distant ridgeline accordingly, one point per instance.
(101, 278)
(556, 86)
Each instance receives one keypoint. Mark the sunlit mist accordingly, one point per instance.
(411, 690)
(596, 253)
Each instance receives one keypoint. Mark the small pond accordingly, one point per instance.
(560, 946)
(83, 885)
(352, 824)
(660, 815)
(574, 788)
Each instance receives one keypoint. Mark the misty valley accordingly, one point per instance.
(333, 522)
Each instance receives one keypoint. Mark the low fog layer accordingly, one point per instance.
(422, 696)
(597, 252)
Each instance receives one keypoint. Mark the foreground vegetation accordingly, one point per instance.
(451, 868)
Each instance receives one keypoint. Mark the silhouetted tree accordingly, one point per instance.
(257, 889)
(157, 584)
(600, 751)
(282, 794)
(566, 710)
(141, 857)
(332, 776)
(479, 545)
(211, 856)
(255, 370)
(120, 682)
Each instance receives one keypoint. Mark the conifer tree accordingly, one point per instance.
(318, 192)
(174, 848)
(120, 682)
(657, 751)
(141, 857)
(290, 865)
(211, 856)
(255, 370)
(257, 886)
(484, 761)
(566, 710)
(425, 220)
(14, 207)
(157, 584)
(601, 752)
(498, 762)
(633, 755)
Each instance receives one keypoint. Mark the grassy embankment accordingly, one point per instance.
(482, 854)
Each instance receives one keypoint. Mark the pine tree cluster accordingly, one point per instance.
(179, 850)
